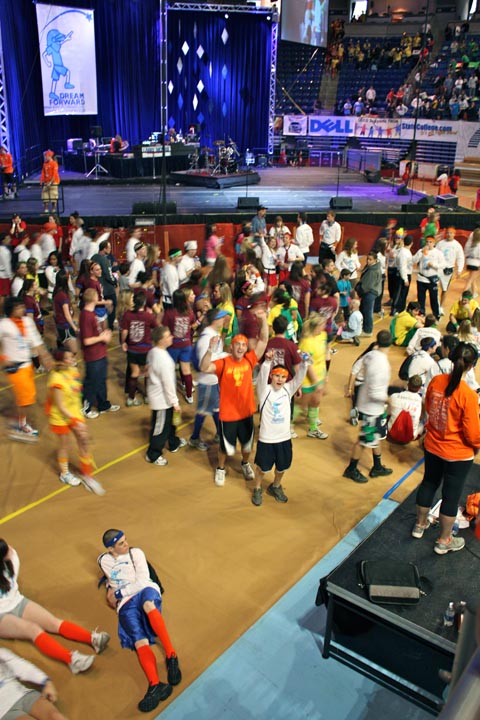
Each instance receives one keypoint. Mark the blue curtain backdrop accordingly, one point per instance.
(218, 75)
(235, 75)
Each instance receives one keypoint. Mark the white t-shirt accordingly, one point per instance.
(12, 667)
(161, 383)
(12, 597)
(274, 405)
(136, 267)
(127, 576)
(373, 392)
(201, 347)
(412, 403)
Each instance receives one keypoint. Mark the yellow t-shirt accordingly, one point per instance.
(460, 311)
(316, 346)
(404, 322)
(276, 310)
(69, 383)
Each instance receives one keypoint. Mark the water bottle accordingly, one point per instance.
(177, 418)
(449, 615)
(455, 528)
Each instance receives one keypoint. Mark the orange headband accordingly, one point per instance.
(240, 338)
(280, 371)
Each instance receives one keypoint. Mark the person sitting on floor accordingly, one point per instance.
(138, 602)
(404, 326)
(353, 329)
(404, 424)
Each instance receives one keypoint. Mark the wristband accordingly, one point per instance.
(118, 594)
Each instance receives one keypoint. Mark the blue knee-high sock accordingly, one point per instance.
(217, 422)
(197, 426)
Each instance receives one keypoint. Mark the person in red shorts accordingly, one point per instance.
(137, 326)
(237, 400)
(20, 341)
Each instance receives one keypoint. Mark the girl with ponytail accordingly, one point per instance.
(451, 442)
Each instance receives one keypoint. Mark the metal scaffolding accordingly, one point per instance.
(272, 89)
(4, 133)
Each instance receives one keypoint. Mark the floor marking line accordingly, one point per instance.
(403, 478)
(53, 494)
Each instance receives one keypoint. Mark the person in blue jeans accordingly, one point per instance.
(369, 287)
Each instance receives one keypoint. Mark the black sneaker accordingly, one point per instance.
(380, 472)
(277, 493)
(257, 497)
(355, 475)
(154, 695)
(356, 340)
(174, 674)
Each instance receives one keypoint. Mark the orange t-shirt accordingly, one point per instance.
(453, 427)
(237, 399)
(50, 173)
(6, 163)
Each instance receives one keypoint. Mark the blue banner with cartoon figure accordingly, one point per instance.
(67, 51)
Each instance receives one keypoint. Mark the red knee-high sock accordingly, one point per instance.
(51, 647)
(188, 385)
(160, 629)
(75, 632)
(146, 658)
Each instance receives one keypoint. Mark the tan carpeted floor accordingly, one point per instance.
(223, 562)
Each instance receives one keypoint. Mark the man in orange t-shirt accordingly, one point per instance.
(237, 399)
(8, 179)
(50, 180)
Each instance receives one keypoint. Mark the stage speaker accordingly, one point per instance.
(262, 161)
(151, 208)
(427, 200)
(450, 201)
(341, 203)
(410, 207)
(373, 176)
(248, 203)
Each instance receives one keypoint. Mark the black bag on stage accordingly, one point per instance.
(389, 582)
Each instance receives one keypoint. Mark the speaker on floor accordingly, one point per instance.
(248, 203)
(427, 200)
(450, 201)
(153, 208)
(373, 176)
(402, 190)
(341, 203)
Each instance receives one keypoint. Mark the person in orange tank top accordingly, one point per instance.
(8, 177)
(451, 443)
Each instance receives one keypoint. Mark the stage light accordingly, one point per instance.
(269, 17)
(226, 16)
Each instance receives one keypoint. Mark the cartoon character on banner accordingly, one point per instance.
(55, 40)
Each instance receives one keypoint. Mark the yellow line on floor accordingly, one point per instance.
(51, 495)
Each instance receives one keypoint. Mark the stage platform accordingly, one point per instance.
(403, 647)
(284, 190)
(206, 179)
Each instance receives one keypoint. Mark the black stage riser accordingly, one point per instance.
(215, 181)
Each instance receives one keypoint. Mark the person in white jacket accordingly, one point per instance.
(303, 234)
(454, 261)
(18, 701)
(162, 397)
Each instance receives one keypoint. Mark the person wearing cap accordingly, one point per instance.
(462, 309)
(407, 401)
(138, 602)
(454, 261)
(259, 223)
(138, 265)
(237, 400)
(208, 396)
(330, 236)
(64, 410)
(430, 262)
(189, 262)
(49, 181)
(372, 413)
(274, 444)
(170, 279)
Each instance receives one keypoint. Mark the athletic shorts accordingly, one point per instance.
(445, 280)
(133, 624)
(18, 610)
(181, 354)
(270, 279)
(23, 706)
(473, 268)
(60, 429)
(50, 192)
(5, 285)
(208, 399)
(65, 334)
(270, 454)
(8, 178)
(308, 389)
(231, 431)
(373, 428)
(24, 389)
(135, 358)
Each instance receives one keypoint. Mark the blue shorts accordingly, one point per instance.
(133, 623)
(183, 354)
(58, 71)
(208, 399)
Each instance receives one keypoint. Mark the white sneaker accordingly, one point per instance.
(70, 479)
(441, 312)
(79, 662)
(317, 434)
(180, 445)
(24, 433)
(133, 402)
(99, 641)
(112, 408)
(159, 461)
(219, 478)
(91, 414)
(189, 400)
(293, 434)
(198, 445)
(247, 471)
(92, 485)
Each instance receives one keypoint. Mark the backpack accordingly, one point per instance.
(405, 367)
(402, 429)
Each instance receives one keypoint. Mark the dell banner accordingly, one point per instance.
(67, 56)
(330, 125)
